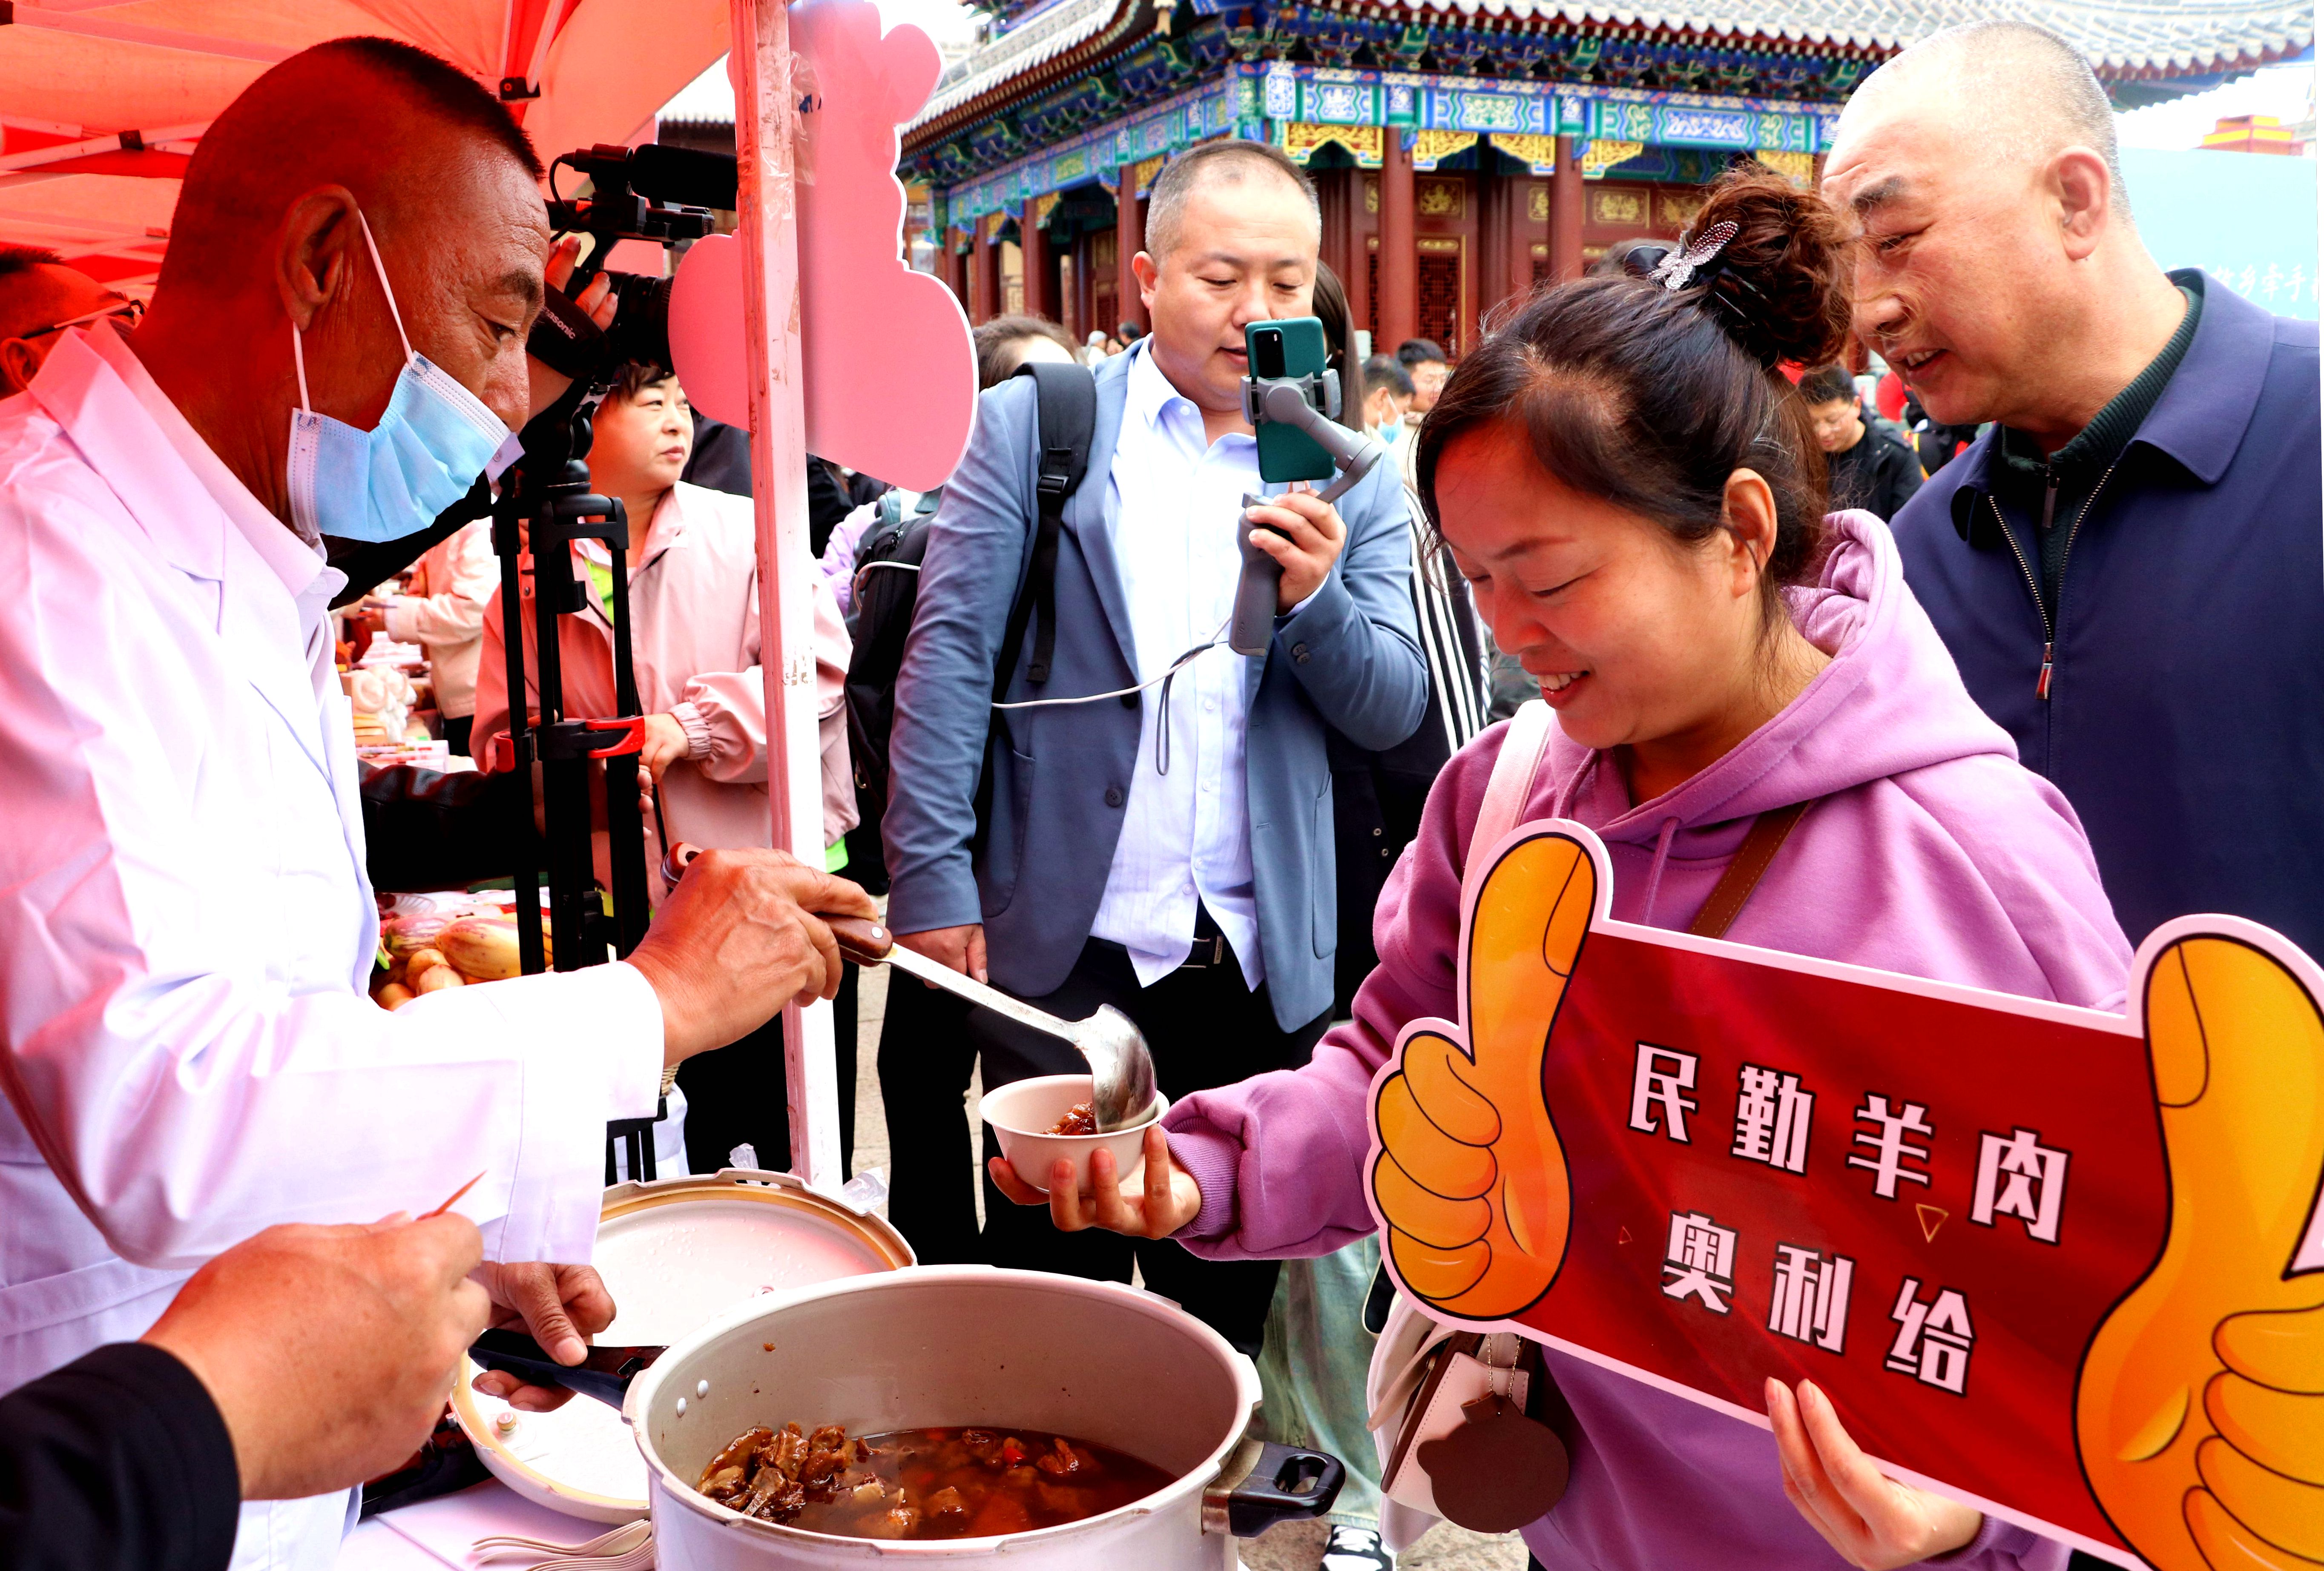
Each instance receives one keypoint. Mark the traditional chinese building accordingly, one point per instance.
(1461, 151)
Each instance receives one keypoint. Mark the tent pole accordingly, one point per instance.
(766, 116)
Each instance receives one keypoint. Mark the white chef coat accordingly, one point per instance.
(186, 928)
(1177, 540)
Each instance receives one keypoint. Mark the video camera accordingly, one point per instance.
(662, 195)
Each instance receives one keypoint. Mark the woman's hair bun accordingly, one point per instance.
(1781, 286)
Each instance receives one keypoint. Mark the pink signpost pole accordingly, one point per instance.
(766, 143)
(842, 345)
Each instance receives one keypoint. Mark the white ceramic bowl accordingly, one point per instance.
(1022, 1114)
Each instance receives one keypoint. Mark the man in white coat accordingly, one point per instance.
(184, 926)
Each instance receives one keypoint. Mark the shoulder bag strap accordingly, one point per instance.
(1519, 760)
(1743, 874)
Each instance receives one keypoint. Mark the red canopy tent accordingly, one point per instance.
(101, 101)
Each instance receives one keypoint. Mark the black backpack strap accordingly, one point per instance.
(1065, 426)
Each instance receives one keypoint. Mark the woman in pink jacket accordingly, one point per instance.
(1632, 490)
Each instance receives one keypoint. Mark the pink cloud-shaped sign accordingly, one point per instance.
(889, 367)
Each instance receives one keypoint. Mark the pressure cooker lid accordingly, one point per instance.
(673, 1253)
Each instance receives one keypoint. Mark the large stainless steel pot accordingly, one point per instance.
(968, 1344)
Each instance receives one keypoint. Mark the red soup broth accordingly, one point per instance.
(925, 1484)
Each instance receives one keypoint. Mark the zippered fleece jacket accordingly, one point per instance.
(2184, 715)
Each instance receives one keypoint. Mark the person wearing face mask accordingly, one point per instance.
(335, 347)
(693, 633)
(1631, 488)
(1387, 397)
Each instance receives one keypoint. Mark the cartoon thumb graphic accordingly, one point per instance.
(1471, 1177)
(2199, 1411)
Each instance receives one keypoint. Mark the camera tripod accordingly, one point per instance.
(545, 506)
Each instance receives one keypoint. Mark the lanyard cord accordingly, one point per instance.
(1162, 726)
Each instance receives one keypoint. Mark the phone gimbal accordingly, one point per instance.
(1308, 404)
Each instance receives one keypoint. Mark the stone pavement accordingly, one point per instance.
(1299, 1546)
(1294, 1546)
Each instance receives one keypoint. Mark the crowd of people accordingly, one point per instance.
(1647, 534)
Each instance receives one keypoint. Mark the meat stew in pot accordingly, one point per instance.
(923, 1483)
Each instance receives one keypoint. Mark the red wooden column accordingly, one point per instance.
(955, 268)
(1353, 257)
(1397, 310)
(1524, 230)
(984, 260)
(1040, 266)
(1495, 196)
(1129, 239)
(1566, 215)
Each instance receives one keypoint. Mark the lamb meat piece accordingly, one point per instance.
(739, 1455)
(775, 1491)
(1081, 1118)
(786, 1502)
(946, 1507)
(1062, 1461)
(787, 1452)
(827, 1457)
(899, 1521)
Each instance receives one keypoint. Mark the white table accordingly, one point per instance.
(435, 1533)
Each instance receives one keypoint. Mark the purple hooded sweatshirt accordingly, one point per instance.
(1929, 852)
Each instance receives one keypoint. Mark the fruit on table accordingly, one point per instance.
(421, 963)
(393, 996)
(483, 947)
(436, 978)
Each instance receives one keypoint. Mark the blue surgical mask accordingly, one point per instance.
(393, 480)
(1390, 433)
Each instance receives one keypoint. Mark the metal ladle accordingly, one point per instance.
(1122, 1071)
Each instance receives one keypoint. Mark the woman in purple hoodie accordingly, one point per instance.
(1635, 494)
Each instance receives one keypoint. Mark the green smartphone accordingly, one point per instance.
(1287, 349)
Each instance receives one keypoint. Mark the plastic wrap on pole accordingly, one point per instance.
(766, 124)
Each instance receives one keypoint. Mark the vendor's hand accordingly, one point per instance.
(1169, 1200)
(560, 1307)
(1873, 1520)
(1312, 536)
(960, 947)
(373, 614)
(329, 1351)
(666, 743)
(738, 939)
(598, 301)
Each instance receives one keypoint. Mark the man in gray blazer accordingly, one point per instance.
(1164, 846)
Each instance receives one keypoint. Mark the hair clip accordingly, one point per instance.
(1677, 269)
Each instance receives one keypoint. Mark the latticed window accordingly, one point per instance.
(1440, 300)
